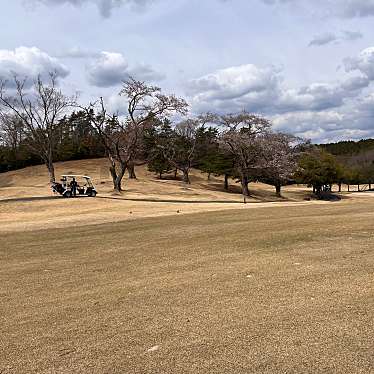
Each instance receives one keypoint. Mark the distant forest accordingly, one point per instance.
(77, 140)
(353, 154)
(349, 147)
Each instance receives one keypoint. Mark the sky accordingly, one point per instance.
(306, 65)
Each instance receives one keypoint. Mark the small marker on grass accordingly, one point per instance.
(154, 349)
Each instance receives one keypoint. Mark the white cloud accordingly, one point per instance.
(29, 63)
(320, 96)
(146, 72)
(262, 90)
(320, 111)
(236, 86)
(116, 104)
(364, 62)
(353, 121)
(302, 122)
(111, 69)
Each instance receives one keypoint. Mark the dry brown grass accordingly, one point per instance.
(282, 289)
(33, 181)
(26, 202)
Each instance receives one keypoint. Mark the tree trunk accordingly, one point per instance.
(48, 159)
(118, 181)
(131, 170)
(358, 188)
(175, 173)
(51, 170)
(186, 177)
(209, 176)
(226, 183)
(160, 175)
(117, 176)
(278, 189)
(245, 189)
(348, 187)
(113, 172)
(340, 187)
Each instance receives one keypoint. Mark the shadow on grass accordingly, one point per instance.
(255, 200)
(149, 200)
(36, 198)
(28, 199)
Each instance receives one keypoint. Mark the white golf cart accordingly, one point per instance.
(74, 186)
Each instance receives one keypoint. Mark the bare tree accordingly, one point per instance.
(107, 127)
(123, 138)
(179, 148)
(240, 138)
(279, 160)
(40, 110)
(145, 104)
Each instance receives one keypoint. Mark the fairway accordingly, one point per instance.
(269, 290)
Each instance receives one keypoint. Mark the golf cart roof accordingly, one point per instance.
(76, 176)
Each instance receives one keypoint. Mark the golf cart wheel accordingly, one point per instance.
(67, 194)
(93, 194)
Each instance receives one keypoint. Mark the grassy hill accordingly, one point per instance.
(33, 181)
(26, 201)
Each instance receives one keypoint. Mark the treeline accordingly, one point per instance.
(356, 159)
(349, 147)
(75, 140)
(44, 125)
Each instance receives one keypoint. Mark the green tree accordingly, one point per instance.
(207, 149)
(318, 169)
(156, 135)
(159, 164)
